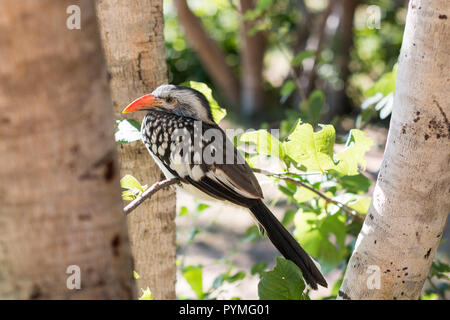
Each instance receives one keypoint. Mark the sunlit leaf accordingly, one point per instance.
(304, 195)
(218, 113)
(361, 204)
(265, 143)
(202, 206)
(146, 295)
(130, 182)
(183, 211)
(353, 156)
(193, 275)
(284, 282)
(313, 150)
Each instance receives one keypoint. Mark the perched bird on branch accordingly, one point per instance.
(183, 139)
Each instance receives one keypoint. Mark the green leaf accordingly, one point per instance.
(129, 182)
(252, 234)
(202, 206)
(264, 4)
(129, 195)
(146, 295)
(430, 296)
(183, 211)
(237, 276)
(135, 275)
(218, 113)
(128, 130)
(353, 156)
(286, 90)
(355, 184)
(218, 281)
(304, 195)
(284, 282)
(193, 275)
(265, 143)
(316, 102)
(258, 268)
(298, 59)
(385, 85)
(313, 232)
(313, 150)
(288, 217)
(361, 204)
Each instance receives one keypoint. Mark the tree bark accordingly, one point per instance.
(253, 48)
(411, 200)
(209, 53)
(59, 183)
(133, 40)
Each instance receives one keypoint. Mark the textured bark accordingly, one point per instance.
(133, 40)
(209, 53)
(59, 183)
(252, 51)
(411, 200)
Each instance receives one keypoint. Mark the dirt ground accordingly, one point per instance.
(224, 228)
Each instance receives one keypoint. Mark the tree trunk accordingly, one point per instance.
(411, 200)
(209, 53)
(60, 204)
(252, 51)
(133, 40)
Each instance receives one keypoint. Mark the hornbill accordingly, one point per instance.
(183, 139)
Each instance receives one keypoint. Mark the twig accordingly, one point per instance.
(148, 193)
(344, 207)
(436, 289)
(168, 182)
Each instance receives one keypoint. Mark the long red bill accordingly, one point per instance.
(142, 103)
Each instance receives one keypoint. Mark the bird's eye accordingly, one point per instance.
(171, 100)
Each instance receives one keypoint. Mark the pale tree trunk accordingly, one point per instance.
(59, 183)
(253, 47)
(133, 40)
(209, 53)
(411, 200)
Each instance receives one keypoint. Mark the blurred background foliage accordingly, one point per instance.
(341, 48)
(291, 65)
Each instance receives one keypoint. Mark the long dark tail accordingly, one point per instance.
(287, 245)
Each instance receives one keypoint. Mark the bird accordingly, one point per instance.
(186, 143)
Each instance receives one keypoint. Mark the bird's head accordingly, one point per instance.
(183, 101)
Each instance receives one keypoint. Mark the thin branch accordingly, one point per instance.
(168, 182)
(436, 289)
(344, 207)
(148, 193)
